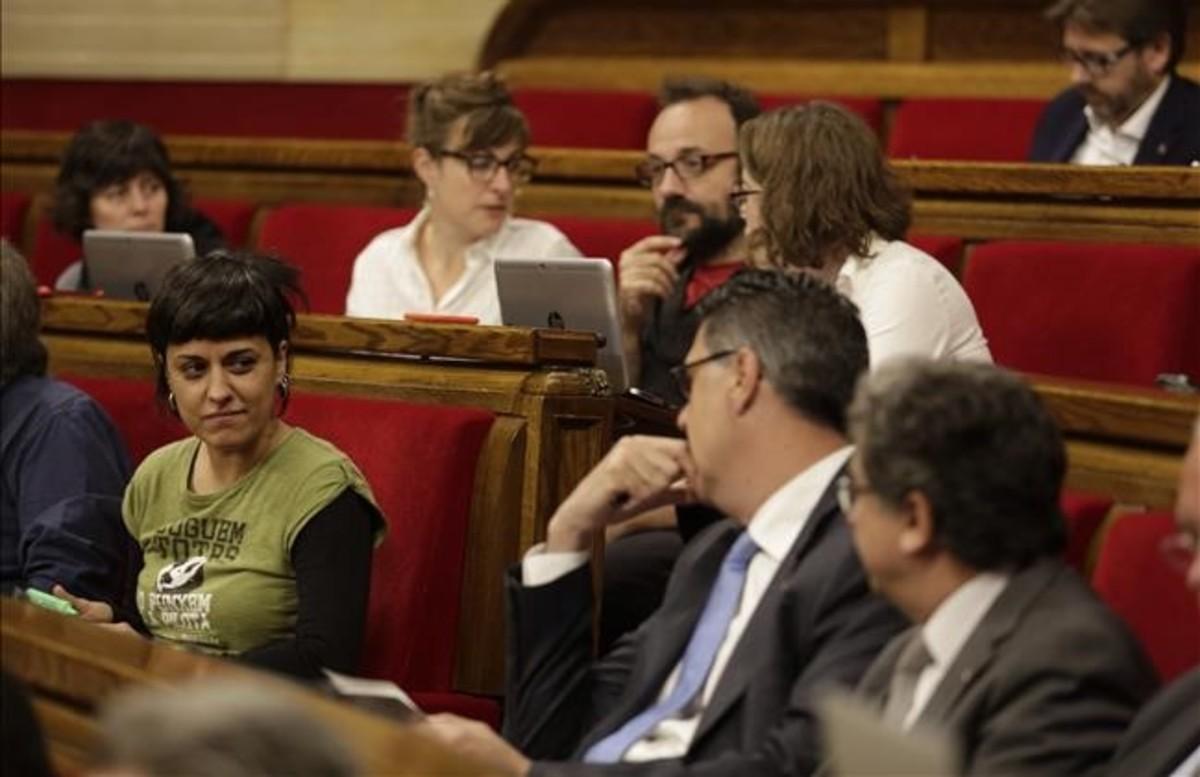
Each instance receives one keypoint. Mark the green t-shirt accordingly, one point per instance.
(217, 572)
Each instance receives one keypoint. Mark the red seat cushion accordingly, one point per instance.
(420, 461)
(323, 241)
(578, 118)
(1084, 514)
(868, 109)
(984, 130)
(1135, 579)
(947, 250)
(13, 206)
(145, 425)
(232, 217)
(235, 108)
(1099, 311)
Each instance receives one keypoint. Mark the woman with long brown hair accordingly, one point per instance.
(817, 195)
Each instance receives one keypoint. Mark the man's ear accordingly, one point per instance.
(917, 535)
(1157, 52)
(424, 164)
(748, 377)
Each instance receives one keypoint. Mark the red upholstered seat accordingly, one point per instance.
(232, 217)
(1084, 514)
(144, 425)
(13, 206)
(584, 118)
(1136, 580)
(1100, 311)
(231, 109)
(868, 109)
(420, 461)
(323, 241)
(947, 250)
(984, 130)
(52, 252)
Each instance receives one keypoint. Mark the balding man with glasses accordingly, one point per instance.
(1127, 105)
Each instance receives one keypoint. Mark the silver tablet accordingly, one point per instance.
(132, 265)
(566, 294)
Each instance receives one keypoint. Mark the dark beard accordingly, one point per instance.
(705, 236)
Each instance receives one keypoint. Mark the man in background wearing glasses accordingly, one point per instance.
(1127, 104)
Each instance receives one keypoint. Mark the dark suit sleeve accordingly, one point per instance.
(1060, 129)
(332, 559)
(835, 642)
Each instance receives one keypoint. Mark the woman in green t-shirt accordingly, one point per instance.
(256, 536)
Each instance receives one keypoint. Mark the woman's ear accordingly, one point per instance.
(425, 166)
(281, 360)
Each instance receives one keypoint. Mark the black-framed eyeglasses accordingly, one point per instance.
(690, 165)
(483, 165)
(1095, 63)
(848, 491)
(682, 373)
(739, 196)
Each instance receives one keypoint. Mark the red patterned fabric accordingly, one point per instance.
(420, 461)
(1136, 580)
(144, 425)
(982, 130)
(947, 250)
(1099, 311)
(13, 206)
(323, 241)
(1084, 514)
(230, 109)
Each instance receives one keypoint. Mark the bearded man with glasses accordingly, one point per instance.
(1126, 105)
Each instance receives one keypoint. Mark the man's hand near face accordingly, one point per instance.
(649, 270)
(638, 474)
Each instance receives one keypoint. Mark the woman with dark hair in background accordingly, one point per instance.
(468, 144)
(256, 536)
(818, 195)
(117, 175)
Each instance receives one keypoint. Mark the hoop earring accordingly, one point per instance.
(171, 403)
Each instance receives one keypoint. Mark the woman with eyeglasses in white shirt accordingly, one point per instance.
(469, 144)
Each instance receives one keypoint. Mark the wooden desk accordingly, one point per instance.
(554, 420)
(72, 667)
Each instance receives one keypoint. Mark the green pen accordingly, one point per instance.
(50, 602)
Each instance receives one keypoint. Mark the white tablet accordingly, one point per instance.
(132, 265)
(571, 293)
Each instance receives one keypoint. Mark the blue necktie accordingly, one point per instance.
(697, 658)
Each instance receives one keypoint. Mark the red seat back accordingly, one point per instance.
(1099, 311)
(145, 425)
(984, 130)
(602, 238)
(323, 241)
(52, 252)
(1134, 578)
(1084, 514)
(232, 217)
(420, 461)
(13, 206)
(584, 118)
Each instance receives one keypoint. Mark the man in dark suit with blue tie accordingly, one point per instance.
(1127, 104)
(761, 611)
(952, 498)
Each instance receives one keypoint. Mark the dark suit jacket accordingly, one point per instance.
(1046, 684)
(816, 624)
(1173, 137)
(1164, 733)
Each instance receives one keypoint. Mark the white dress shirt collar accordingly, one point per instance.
(956, 618)
(1133, 128)
(779, 520)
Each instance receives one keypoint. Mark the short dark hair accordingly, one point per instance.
(981, 447)
(107, 152)
(21, 352)
(827, 187)
(223, 295)
(678, 89)
(1137, 21)
(810, 341)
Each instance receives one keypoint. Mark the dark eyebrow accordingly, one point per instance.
(238, 354)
